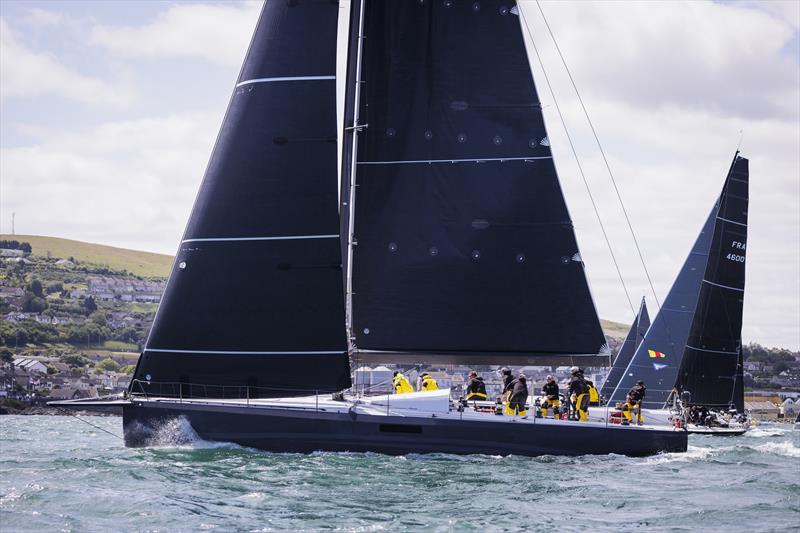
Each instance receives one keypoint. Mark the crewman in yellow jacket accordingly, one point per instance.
(428, 383)
(401, 384)
(594, 395)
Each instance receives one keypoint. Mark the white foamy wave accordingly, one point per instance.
(786, 449)
(178, 433)
(693, 453)
(767, 432)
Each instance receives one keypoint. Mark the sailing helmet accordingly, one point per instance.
(505, 370)
(549, 377)
(640, 382)
(574, 370)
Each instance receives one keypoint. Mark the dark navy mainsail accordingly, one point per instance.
(463, 242)
(255, 297)
(690, 311)
(635, 335)
(712, 366)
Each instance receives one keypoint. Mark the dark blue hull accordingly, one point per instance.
(291, 430)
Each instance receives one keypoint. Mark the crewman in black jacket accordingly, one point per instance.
(476, 388)
(551, 398)
(633, 403)
(508, 379)
(519, 395)
(579, 393)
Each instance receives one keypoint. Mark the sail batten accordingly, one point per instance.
(468, 160)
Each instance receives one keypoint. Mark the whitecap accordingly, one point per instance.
(786, 449)
(693, 453)
(178, 433)
(766, 432)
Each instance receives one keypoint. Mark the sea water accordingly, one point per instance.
(58, 474)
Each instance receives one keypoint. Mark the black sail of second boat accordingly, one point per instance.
(712, 365)
(694, 343)
(254, 299)
(463, 243)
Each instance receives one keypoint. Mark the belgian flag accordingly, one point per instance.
(656, 355)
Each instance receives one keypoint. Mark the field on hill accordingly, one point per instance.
(614, 329)
(139, 263)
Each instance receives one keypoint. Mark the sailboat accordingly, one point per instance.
(692, 353)
(444, 238)
(635, 336)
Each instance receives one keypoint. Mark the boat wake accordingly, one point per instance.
(693, 453)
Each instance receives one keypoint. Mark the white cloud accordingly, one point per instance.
(786, 10)
(217, 33)
(720, 58)
(669, 86)
(25, 73)
(126, 183)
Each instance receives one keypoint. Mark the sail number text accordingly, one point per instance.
(736, 245)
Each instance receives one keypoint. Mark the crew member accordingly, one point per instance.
(518, 397)
(579, 393)
(594, 395)
(633, 402)
(508, 379)
(401, 384)
(427, 382)
(551, 398)
(476, 388)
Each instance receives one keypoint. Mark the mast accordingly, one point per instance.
(350, 148)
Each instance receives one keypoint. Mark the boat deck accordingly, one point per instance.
(435, 404)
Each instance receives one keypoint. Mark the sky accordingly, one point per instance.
(109, 111)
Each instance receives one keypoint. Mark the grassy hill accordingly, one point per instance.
(135, 262)
(614, 329)
(150, 264)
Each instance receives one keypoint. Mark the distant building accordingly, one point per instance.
(30, 365)
(7, 252)
(68, 393)
(11, 292)
(762, 410)
(789, 409)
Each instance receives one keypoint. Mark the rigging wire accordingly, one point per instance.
(66, 412)
(577, 161)
(602, 152)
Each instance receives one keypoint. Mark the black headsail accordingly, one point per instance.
(255, 295)
(635, 336)
(464, 246)
(712, 366)
(699, 304)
